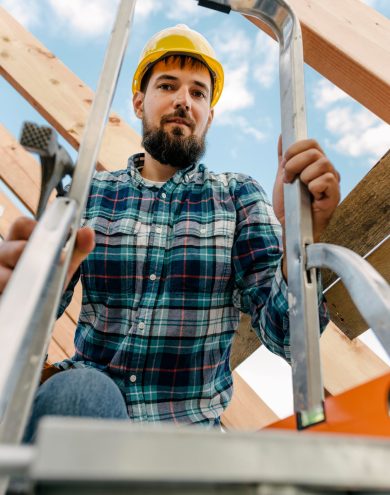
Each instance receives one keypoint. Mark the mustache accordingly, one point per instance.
(181, 114)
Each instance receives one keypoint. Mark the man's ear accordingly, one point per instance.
(138, 102)
(211, 116)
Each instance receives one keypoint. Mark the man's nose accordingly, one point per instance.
(182, 99)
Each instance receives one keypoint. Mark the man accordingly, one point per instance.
(179, 252)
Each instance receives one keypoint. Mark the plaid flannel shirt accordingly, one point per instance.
(164, 287)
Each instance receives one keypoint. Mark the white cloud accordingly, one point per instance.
(25, 11)
(358, 133)
(86, 18)
(186, 11)
(236, 95)
(232, 48)
(325, 94)
(243, 126)
(145, 8)
(267, 50)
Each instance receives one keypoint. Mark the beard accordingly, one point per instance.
(173, 148)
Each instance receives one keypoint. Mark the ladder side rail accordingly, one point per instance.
(368, 289)
(29, 325)
(302, 286)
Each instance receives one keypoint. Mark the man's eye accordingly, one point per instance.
(199, 94)
(165, 86)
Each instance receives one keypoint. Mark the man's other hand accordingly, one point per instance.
(307, 160)
(13, 246)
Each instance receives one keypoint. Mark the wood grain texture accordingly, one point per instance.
(246, 411)
(58, 94)
(19, 170)
(362, 220)
(348, 43)
(341, 307)
(347, 364)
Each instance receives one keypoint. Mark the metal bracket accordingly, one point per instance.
(214, 6)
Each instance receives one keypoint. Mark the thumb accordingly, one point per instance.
(85, 243)
(280, 149)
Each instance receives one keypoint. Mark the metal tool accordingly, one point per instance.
(38, 279)
(55, 160)
(303, 257)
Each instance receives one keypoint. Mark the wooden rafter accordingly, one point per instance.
(58, 94)
(347, 42)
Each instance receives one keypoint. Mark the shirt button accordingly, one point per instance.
(163, 195)
(152, 276)
(158, 230)
(203, 230)
(141, 325)
(133, 378)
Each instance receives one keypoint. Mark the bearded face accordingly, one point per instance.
(171, 146)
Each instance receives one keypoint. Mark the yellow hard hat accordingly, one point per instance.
(179, 40)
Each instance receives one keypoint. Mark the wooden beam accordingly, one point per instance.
(19, 170)
(55, 353)
(58, 95)
(347, 364)
(347, 42)
(246, 411)
(362, 220)
(341, 307)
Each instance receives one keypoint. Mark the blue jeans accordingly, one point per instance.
(82, 392)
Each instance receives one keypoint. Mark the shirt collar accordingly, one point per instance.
(136, 162)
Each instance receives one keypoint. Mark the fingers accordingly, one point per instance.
(5, 274)
(280, 148)
(85, 243)
(302, 145)
(325, 191)
(21, 229)
(10, 253)
(13, 246)
(309, 163)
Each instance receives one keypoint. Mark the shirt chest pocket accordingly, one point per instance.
(200, 256)
(114, 268)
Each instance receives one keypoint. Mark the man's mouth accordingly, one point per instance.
(178, 121)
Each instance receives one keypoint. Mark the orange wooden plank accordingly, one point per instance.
(363, 410)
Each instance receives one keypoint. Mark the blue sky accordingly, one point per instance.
(244, 134)
(247, 122)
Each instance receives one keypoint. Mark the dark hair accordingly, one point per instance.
(183, 60)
